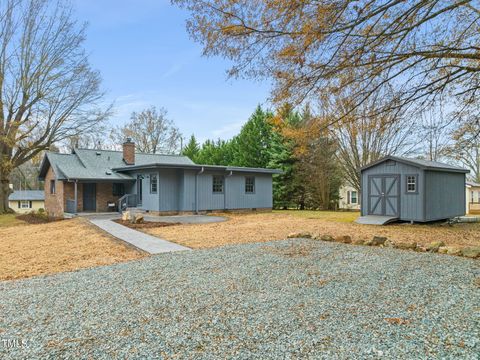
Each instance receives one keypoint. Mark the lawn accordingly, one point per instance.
(261, 227)
(10, 220)
(27, 250)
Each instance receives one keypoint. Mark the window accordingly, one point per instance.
(153, 184)
(217, 184)
(353, 197)
(472, 196)
(52, 187)
(25, 204)
(249, 184)
(118, 189)
(411, 183)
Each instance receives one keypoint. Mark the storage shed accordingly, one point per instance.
(397, 188)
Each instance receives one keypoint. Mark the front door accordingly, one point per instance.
(384, 195)
(89, 197)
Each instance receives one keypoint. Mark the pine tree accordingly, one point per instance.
(192, 149)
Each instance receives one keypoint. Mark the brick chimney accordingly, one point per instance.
(129, 152)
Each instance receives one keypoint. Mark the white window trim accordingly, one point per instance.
(414, 183)
(350, 201)
(23, 202)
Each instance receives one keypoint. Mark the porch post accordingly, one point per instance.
(75, 196)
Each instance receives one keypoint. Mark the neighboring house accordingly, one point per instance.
(472, 196)
(101, 180)
(25, 201)
(412, 189)
(348, 198)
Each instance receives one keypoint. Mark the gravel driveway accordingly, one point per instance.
(287, 299)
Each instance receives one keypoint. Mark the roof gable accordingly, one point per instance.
(419, 163)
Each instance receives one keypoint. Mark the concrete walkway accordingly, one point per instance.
(145, 242)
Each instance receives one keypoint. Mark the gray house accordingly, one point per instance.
(395, 188)
(101, 180)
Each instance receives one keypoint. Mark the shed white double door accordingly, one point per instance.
(384, 195)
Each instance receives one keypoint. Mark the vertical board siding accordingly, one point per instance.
(176, 191)
(168, 190)
(411, 205)
(149, 201)
(445, 194)
(238, 199)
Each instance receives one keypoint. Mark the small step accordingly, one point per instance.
(375, 220)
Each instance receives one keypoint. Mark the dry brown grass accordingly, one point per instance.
(29, 250)
(246, 228)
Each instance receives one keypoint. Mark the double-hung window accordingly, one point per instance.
(353, 197)
(249, 185)
(25, 204)
(153, 183)
(411, 183)
(217, 184)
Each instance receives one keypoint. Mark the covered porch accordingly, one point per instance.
(83, 196)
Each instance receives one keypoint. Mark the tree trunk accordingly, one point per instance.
(4, 192)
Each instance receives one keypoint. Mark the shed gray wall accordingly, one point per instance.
(445, 195)
(411, 204)
(238, 199)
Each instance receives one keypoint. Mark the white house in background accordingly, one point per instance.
(349, 198)
(472, 194)
(24, 201)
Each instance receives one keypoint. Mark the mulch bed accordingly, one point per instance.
(37, 219)
(144, 225)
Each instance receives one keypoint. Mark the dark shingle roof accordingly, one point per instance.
(423, 164)
(98, 164)
(27, 195)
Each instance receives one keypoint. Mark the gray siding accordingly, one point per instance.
(445, 195)
(411, 205)
(149, 201)
(177, 191)
(168, 190)
(238, 199)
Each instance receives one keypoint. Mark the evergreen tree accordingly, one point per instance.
(192, 149)
(251, 146)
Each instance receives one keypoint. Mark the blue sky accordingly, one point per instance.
(145, 56)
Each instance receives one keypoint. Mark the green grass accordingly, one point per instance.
(340, 216)
(10, 220)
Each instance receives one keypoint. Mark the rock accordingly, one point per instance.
(442, 249)
(344, 239)
(421, 248)
(434, 246)
(138, 219)
(388, 243)
(453, 250)
(126, 216)
(298, 235)
(471, 252)
(406, 246)
(327, 238)
(377, 241)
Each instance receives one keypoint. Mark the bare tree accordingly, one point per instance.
(48, 91)
(466, 151)
(425, 47)
(151, 131)
(364, 135)
(434, 132)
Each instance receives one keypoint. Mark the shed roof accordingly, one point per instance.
(34, 195)
(420, 163)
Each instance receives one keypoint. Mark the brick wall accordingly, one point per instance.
(54, 203)
(105, 195)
